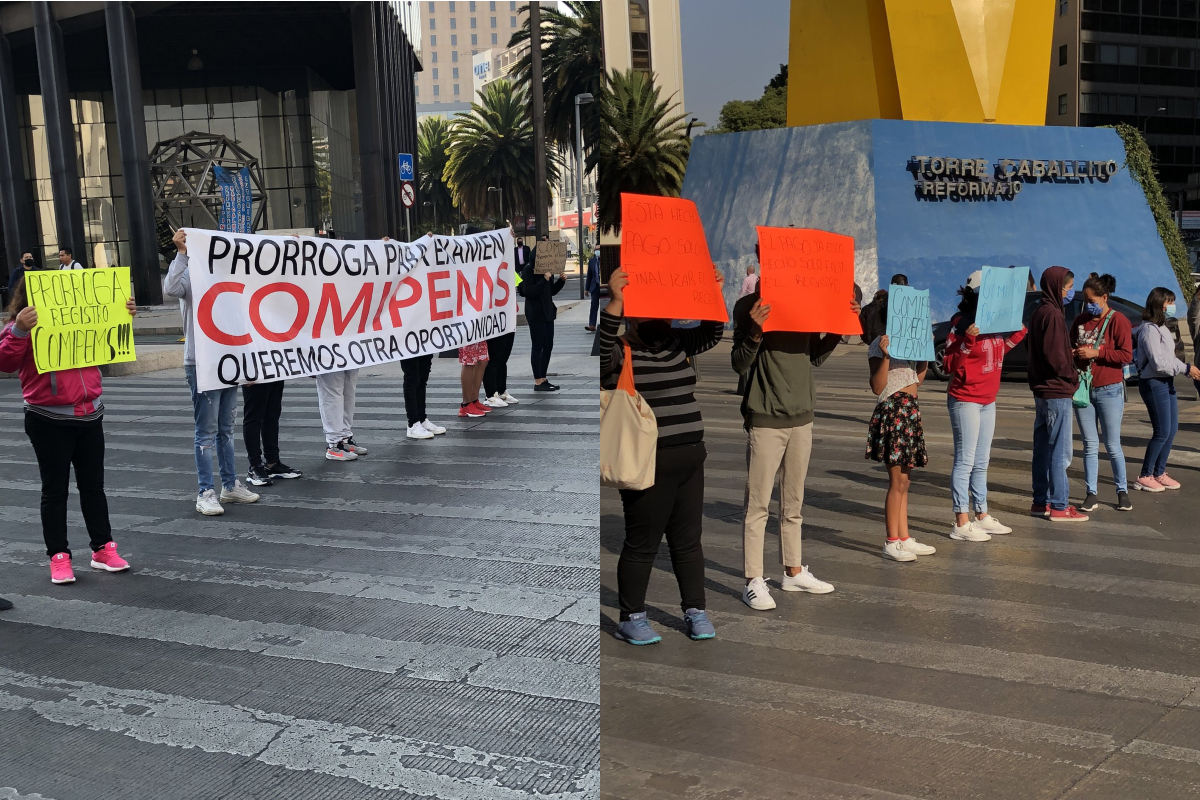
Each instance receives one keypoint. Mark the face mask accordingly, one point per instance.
(1070, 296)
(1169, 309)
(1093, 309)
(653, 332)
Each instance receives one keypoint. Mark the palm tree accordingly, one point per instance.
(492, 145)
(642, 146)
(433, 146)
(572, 63)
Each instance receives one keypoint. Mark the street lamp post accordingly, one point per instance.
(580, 100)
(497, 190)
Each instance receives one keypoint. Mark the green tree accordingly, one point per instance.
(433, 151)
(642, 147)
(572, 63)
(768, 111)
(492, 145)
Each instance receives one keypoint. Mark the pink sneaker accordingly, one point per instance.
(1167, 482)
(1148, 484)
(107, 559)
(60, 569)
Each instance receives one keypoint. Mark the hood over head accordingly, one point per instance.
(1053, 281)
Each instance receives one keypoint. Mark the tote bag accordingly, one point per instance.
(1083, 395)
(628, 434)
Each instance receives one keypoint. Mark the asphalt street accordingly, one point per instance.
(421, 623)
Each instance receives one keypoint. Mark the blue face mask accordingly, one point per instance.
(1169, 309)
(1070, 296)
(1093, 309)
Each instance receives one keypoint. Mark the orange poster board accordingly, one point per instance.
(671, 275)
(807, 277)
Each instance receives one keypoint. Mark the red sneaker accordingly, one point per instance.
(60, 569)
(481, 407)
(469, 410)
(107, 559)
(1039, 511)
(1068, 514)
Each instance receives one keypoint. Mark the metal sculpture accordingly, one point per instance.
(186, 190)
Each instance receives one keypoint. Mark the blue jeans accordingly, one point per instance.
(973, 425)
(1051, 452)
(214, 412)
(1106, 410)
(1159, 396)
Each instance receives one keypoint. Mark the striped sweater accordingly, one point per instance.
(663, 376)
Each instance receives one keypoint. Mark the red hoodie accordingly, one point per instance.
(974, 363)
(66, 394)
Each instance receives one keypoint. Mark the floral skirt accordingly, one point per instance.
(472, 354)
(895, 437)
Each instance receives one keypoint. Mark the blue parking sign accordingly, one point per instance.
(406, 167)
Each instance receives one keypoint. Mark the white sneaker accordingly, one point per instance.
(418, 431)
(757, 595)
(990, 524)
(911, 545)
(238, 494)
(432, 428)
(508, 398)
(805, 582)
(895, 552)
(968, 533)
(495, 401)
(207, 504)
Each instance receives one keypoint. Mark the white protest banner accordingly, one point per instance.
(269, 308)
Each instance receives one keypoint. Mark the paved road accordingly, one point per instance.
(420, 623)
(1056, 662)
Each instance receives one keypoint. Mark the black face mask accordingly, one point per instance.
(654, 332)
(29, 263)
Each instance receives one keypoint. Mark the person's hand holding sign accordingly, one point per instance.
(131, 307)
(616, 293)
(180, 240)
(883, 345)
(26, 319)
(758, 315)
(973, 330)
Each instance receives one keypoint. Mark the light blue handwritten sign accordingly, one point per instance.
(909, 325)
(1001, 299)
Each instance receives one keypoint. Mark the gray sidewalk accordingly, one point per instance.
(420, 623)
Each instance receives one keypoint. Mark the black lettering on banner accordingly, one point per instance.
(262, 359)
(347, 261)
(291, 355)
(356, 353)
(389, 250)
(369, 261)
(291, 251)
(322, 352)
(309, 365)
(394, 352)
(246, 369)
(441, 336)
(308, 256)
(411, 342)
(240, 256)
(341, 363)
(277, 362)
(329, 246)
(221, 367)
(262, 245)
(379, 348)
(213, 255)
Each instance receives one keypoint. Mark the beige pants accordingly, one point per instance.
(771, 451)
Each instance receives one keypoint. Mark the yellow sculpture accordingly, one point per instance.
(945, 60)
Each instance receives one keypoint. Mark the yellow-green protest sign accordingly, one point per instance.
(82, 319)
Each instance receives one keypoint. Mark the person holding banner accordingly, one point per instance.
(1102, 343)
(896, 438)
(64, 419)
(1053, 380)
(674, 505)
(213, 411)
(416, 379)
(974, 361)
(474, 360)
(262, 405)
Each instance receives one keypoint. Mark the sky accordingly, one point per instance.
(731, 50)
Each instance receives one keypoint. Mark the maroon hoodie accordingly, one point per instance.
(1052, 372)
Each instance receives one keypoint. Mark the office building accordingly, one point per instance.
(454, 33)
(645, 35)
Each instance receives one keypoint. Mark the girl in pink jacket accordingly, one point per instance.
(64, 419)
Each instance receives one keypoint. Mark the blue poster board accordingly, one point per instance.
(909, 324)
(1001, 299)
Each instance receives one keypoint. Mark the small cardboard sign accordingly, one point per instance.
(82, 319)
(551, 258)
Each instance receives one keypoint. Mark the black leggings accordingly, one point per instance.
(416, 378)
(541, 334)
(495, 377)
(58, 446)
(262, 404)
(674, 505)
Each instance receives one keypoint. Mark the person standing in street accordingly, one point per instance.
(64, 420)
(262, 405)
(593, 289)
(1102, 343)
(778, 404)
(1157, 367)
(674, 505)
(473, 358)
(1053, 380)
(974, 362)
(1193, 318)
(66, 259)
(495, 376)
(540, 313)
(214, 411)
(335, 396)
(18, 273)
(750, 282)
(416, 380)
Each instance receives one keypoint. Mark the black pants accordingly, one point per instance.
(262, 405)
(674, 505)
(495, 377)
(542, 335)
(416, 378)
(58, 446)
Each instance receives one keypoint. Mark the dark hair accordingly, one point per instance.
(874, 320)
(1155, 301)
(66, 250)
(1100, 284)
(899, 279)
(1031, 285)
(18, 302)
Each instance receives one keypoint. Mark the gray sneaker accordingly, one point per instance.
(699, 626)
(637, 630)
(207, 504)
(238, 494)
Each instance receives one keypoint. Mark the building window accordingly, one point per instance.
(454, 40)
(492, 5)
(472, 23)
(493, 22)
(639, 33)
(433, 40)
(474, 38)
(453, 23)
(472, 6)
(1062, 7)
(451, 4)
(433, 56)
(454, 73)
(1062, 104)
(456, 90)
(437, 90)
(433, 23)
(1062, 55)
(435, 75)
(512, 21)
(512, 6)
(493, 38)
(417, 91)
(432, 8)
(454, 57)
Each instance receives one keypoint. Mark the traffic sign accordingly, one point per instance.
(406, 167)
(407, 195)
